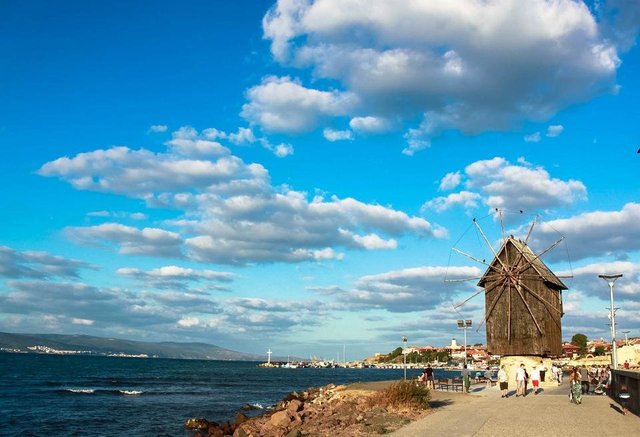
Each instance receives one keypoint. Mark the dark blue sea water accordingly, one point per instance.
(48, 395)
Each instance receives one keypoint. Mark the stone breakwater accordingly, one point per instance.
(332, 410)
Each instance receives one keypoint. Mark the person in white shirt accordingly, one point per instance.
(521, 377)
(503, 380)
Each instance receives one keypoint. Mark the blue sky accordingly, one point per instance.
(294, 175)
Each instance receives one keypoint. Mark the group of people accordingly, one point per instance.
(427, 377)
(582, 378)
(523, 377)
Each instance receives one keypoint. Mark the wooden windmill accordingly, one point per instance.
(523, 299)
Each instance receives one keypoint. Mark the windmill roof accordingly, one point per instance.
(529, 257)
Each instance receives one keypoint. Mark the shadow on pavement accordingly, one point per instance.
(441, 403)
(617, 408)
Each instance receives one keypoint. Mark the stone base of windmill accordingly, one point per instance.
(512, 362)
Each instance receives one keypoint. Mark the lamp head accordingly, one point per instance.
(610, 277)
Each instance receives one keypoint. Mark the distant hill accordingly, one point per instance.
(88, 345)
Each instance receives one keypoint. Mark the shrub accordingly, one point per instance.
(404, 394)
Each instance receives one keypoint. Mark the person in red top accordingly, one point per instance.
(626, 364)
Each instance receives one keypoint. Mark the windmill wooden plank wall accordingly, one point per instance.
(523, 303)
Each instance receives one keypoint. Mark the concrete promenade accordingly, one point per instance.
(484, 413)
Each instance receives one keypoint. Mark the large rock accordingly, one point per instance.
(241, 418)
(240, 433)
(281, 419)
(196, 423)
(294, 406)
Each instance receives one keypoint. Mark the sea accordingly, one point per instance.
(53, 395)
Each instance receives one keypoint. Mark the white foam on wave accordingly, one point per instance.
(257, 406)
(131, 392)
(87, 391)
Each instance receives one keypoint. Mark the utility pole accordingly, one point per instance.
(626, 339)
(464, 324)
(611, 280)
(404, 354)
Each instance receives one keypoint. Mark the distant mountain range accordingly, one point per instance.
(59, 344)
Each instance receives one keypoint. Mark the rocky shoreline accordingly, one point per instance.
(361, 409)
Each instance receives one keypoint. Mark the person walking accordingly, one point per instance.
(503, 381)
(466, 378)
(521, 377)
(543, 370)
(487, 377)
(560, 374)
(535, 379)
(575, 386)
(429, 373)
(584, 378)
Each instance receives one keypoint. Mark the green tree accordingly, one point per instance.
(394, 354)
(580, 340)
(599, 351)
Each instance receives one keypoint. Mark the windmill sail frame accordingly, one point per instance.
(523, 301)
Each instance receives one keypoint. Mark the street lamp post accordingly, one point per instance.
(626, 339)
(404, 354)
(464, 324)
(611, 280)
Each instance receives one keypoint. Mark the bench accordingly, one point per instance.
(449, 384)
(483, 380)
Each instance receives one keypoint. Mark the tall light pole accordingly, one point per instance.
(464, 324)
(626, 339)
(611, 280)
(404, 354)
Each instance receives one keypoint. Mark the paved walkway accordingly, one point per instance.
(484, 413)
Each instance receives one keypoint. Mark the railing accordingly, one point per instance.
(632, 381)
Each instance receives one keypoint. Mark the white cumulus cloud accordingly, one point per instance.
(281, 104)
(228, 211)
(554, 130)
(448, 63)
(502, 185)
(337, 135)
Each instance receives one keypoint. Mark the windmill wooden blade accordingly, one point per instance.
(540, 298)
(526, 240)
(509, 314)
(455, 307)
(547, 304)
(530, 262)
(501, 224)
(496, 257)
(462, 279)
(493, 304)
(528, 308)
